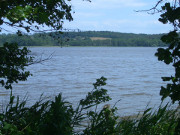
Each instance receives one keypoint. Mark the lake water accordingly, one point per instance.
(133, 73)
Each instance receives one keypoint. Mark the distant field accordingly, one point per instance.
(99, 38)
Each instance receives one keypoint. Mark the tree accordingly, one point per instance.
(30, 15)
(12, 64)
(170, 13)
(27, 16)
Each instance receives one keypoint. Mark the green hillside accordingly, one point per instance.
(88, 38)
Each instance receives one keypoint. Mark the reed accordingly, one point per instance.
(58, 117)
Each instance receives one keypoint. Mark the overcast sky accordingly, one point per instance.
(116, 15)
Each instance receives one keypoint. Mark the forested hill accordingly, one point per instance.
(88, 38)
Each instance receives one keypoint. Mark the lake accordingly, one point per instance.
(133, 73)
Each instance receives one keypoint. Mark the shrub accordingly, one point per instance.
(58, 117)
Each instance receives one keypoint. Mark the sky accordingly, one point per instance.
(116, 15)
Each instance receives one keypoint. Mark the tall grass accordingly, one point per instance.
(58, 117)
(160, 122)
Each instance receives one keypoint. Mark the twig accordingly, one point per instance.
(154, 9)
(116, 103)
(41, 60)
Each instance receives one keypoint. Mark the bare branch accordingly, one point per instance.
(29, 28)
(155, 9)
(152, 10)
(41, 60)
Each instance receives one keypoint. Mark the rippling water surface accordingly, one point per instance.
(134, 75)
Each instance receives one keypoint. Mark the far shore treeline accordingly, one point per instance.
(87, 38)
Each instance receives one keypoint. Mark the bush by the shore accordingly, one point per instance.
(58, 117)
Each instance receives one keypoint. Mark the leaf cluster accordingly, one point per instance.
(171, 14)
(26, 13)
(12, 64)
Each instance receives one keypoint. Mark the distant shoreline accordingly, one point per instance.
(94, 46)
(86, 39)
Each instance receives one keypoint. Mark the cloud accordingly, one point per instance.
(87, 14)
(115, 15)
(130, 3)
(108, 4)
(123, 25)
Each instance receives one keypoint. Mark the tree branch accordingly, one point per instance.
(152, 10)
(39, 61)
